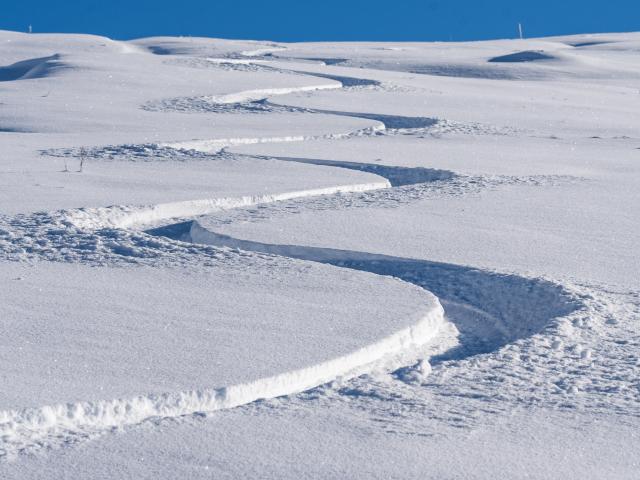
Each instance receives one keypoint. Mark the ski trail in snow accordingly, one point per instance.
(259, 94)
(216, 145)
(128, 217)
(49, 426)
(488, 309)
(485, 307)
(54, 425)
(396, 176)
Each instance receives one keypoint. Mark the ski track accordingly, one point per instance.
(483, 306)
(51, 426)
(485, 294)
(257, 101)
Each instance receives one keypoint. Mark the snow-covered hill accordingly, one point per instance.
(315, 260)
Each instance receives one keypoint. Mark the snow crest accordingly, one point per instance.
(260, 94)
(29, 429)
(127, 217)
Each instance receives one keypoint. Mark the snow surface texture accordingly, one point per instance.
(232, 258)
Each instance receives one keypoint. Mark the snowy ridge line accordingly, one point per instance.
(236, 61)
(484, 307)
(260, 94)
(128, 216)
(31, 428)
(216, 145)
(261, 51)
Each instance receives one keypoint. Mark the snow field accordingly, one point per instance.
(413, 244)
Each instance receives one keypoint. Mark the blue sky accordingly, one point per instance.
(289, 20)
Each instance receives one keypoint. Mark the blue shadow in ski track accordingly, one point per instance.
(389, 121)
(397, 176)
(489, 309)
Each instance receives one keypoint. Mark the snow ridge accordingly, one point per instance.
(127, 217)
(216, 145)
(260, 94)
(28, 429)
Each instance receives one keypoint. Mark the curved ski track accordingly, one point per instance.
(480, 304)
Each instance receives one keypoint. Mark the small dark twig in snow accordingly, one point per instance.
(83, 155)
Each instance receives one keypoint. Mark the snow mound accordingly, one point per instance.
(525, 56)
(32, 68)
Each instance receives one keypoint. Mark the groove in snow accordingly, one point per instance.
(128, 217)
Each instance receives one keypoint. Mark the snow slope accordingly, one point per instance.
(364, 260)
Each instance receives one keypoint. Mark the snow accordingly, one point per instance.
(367, 260)
(208, 355)
(258, 442)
